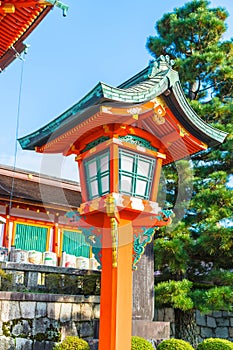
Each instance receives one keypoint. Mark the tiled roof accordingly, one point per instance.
(158, 79)
(18, 18)
(38, 190)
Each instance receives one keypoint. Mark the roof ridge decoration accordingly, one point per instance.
(59, 4)
(160, 63)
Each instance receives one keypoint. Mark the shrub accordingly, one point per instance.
(72, 343)
(5, 280)
(174, 293)
(64, 284)
(215, 344)
(174, 344)
(138, 343)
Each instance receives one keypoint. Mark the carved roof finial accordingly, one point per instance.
(161, 63)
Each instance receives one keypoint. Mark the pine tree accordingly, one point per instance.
(195, 256)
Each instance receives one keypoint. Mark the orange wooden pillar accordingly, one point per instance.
(116, 291)
(124, 282)
(55, 237)
(6, 228)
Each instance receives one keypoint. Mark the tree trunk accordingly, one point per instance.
(185, 326)
(193, 90)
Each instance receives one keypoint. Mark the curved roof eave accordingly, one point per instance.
(157, 79)
(17, 20)
(16, 46)
(138, 93)
(41, 135)
(178, 104)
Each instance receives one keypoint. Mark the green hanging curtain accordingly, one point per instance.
(29, 237)
(74, 243)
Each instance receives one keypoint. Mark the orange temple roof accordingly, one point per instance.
(18, 18)
(152, 100)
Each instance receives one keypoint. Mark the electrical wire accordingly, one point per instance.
(17, 127)
(5, 189)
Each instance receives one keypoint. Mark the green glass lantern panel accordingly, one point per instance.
(30, 237)
(74, 243)
(143, 168)
(126, 183)
(94, 188)
(135, 174)
(127, 162)
(141, 188)
(97, 175)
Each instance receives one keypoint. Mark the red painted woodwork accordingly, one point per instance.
(17, 20)
(172, 138)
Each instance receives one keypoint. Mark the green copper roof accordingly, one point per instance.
(157, 79)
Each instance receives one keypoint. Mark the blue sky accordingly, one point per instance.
(97, 41)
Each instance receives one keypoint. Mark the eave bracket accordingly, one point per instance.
(60, 5)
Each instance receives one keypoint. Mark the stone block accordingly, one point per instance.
(211, 322)
(86, 330)
(227, 314)
(27, 330)
(65, 314)
(169, 315)
(223, 322)
(231, 321)
(28, 309)
(41, 309)
(217, 314)
(151, 330)
(97, 311)
(1, 332)
(160, 314)
(206, 332)
(53, 310)
(68, 328)
(221, 332)
(49, 345)
(10, 311)
(17, 329)
(7, 343)
(76, 312)
(40, 325)
(86, 312)
(230, 332)
(200, 319)
(38, 345)
(23, 344)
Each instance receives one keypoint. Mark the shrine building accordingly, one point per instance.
(32, 214)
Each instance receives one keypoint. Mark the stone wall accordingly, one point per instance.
(217, 324)
(38, 321)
